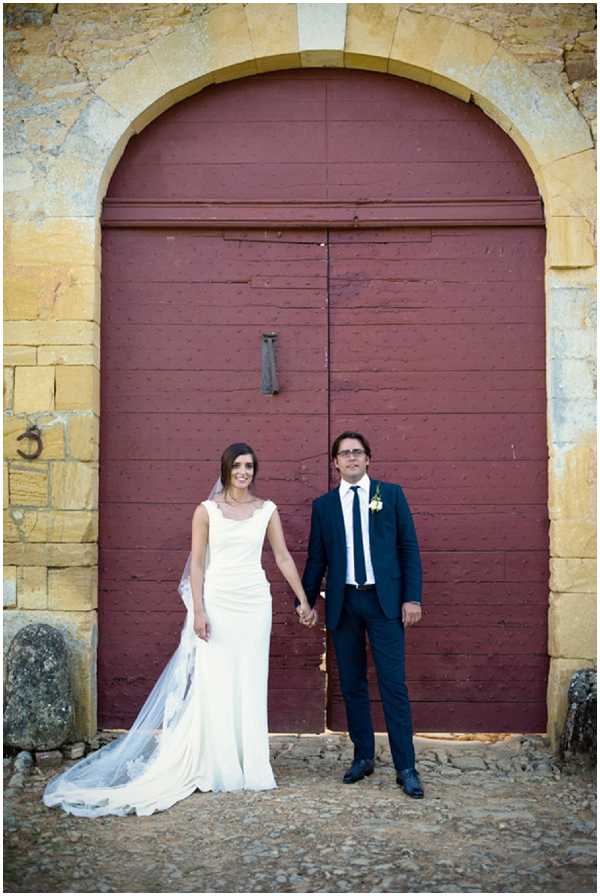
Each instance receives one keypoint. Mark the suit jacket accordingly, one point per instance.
(394, 552)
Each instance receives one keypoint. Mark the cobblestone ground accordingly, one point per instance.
(497, 817)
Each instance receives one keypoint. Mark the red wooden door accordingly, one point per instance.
(182, 319)
(331, 207)
(437, 348)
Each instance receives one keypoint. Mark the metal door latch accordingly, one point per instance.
(269, 384)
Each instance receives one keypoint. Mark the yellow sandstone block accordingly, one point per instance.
(78, 388)
(572, 625)
(34, 389)
(569, 186)
(57, 555)
(462, 57)
(370, 29)
(19, 355)
(572, 538)
(228, 37)
(29, 484)
(572, 574)
(52, 292)
(74, 486)
(73, 589)
(52, 434)
(570, 243)
(273, 30)
(39, 332)
(69, 354)
(417, 42)
(83, 436)
(53, 241)
(10, 587)
(42, 526)
(130, 90)
(32, 587)
(6, 489)
(572, 491)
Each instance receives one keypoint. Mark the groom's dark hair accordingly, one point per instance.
(350, 435)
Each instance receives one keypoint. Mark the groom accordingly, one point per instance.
(363, 535)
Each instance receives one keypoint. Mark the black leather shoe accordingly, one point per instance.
(409, 781)
(360, 768)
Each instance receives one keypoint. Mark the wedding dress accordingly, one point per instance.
(204, 724)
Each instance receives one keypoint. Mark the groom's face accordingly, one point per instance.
(351, 461)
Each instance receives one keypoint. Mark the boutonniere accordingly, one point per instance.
(376, 502)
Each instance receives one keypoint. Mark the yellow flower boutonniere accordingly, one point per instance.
(376, 503)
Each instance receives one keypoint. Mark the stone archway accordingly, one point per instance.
(54, 246)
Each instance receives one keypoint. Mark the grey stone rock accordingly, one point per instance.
(579, 734)
(17, 780)
(23, 761)
(38, 712)
(469, 763)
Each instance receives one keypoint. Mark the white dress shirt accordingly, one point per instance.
(347, 500)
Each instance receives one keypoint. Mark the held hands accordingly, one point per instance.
(201, 626)
(306, 615)
(411, 613)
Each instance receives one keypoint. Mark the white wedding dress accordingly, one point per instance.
(204, 725)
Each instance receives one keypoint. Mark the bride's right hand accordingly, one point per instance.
(201, 626)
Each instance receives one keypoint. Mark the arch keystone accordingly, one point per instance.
(321, 33)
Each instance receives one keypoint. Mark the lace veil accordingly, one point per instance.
(100, 783)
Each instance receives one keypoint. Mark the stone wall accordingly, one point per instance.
(81, 79)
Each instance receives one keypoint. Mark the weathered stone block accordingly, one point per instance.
(32, 587)
(29, 484)
(573, 574)
(273, 32)
(417, 41)
(9, 387)
(51, 332)
(39, 707)
(73, 589)
(69, 354)
(579, 735)
(71, 242)
(80, 633)
(572, 481)
(57, 555)
(75, 486)
(6, 495)
(52, 434)
(321, 33)
(53, 292)
(51, 525)
(572, 538)
(572, 626)
(462, 56)
(17, 355)
(78, 389)
(228, 37)
(570, 243)
(134, 87)
(74, 751)
(34, 389)
(569, 186)
(370, 29)
(10, 587)
(83, 436)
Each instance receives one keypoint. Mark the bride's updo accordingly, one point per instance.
(228, 458)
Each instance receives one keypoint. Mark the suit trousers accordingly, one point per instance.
(362, 615)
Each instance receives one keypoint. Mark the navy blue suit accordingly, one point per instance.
(350, 614)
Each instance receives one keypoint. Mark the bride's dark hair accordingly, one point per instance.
(228, 458)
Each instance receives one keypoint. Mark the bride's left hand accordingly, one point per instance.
(307, 615)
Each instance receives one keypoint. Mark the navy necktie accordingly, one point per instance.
(360, 571)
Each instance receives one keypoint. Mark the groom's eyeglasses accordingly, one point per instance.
(351, 452)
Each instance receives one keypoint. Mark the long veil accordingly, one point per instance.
(108, 781)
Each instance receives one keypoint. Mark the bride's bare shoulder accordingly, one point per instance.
(200, 514)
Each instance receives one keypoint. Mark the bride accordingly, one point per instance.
(204, 724)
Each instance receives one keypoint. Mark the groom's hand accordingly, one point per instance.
(411, 613)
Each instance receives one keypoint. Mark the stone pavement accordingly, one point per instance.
(498, 816)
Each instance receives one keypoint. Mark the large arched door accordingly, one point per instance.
(392, 237)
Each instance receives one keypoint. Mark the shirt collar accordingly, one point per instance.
(363, 483)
